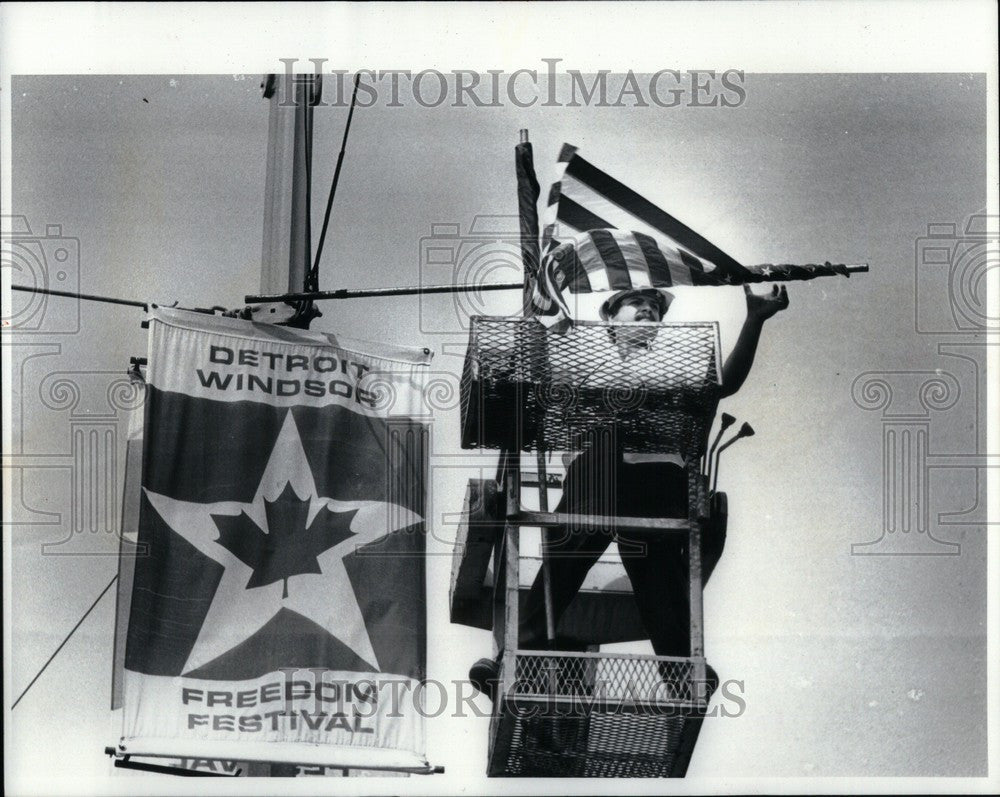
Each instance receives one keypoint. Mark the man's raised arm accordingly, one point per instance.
(759, 309)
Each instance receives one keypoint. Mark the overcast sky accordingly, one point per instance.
(852, 664)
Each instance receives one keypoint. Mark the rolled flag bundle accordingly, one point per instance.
(528, 191)
(603, 236)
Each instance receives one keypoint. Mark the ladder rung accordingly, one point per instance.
(599, 522)
(530, 479)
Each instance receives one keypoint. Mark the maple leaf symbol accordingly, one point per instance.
(287, 548)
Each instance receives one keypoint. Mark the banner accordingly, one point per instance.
(279, 611)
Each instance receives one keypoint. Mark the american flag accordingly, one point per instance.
(586, 198)
(605, 260)
(601, 235)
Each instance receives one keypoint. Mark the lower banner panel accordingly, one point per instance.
(343, 719)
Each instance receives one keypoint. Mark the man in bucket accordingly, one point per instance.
(644, 486)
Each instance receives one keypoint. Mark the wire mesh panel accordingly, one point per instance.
(604, 679)
(597, 715)
(595, 746)
(656, 385)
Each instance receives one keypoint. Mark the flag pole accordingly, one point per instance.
(287, 241)
(787, 272)
(528, 192)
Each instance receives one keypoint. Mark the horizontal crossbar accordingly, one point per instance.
(598, 522)
(363, 293)
(596, 704)
(598, 655)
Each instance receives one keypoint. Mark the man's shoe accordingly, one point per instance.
(484, 675)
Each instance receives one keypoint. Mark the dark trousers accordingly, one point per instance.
(599, 483)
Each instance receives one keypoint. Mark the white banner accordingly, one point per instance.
(279, 614)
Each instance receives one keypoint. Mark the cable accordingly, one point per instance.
(63, 643)
(314, 275)
(90, 297)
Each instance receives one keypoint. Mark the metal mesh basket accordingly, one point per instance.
(597, 715)
(615, 680)
(655, 385)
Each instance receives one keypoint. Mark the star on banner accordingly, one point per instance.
(283, 550)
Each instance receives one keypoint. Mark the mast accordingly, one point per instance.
(286, 259)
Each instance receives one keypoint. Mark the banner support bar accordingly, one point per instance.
(125, 762)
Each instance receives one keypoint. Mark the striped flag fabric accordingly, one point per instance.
(604, 260)
(587, 198)
(603, 236)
